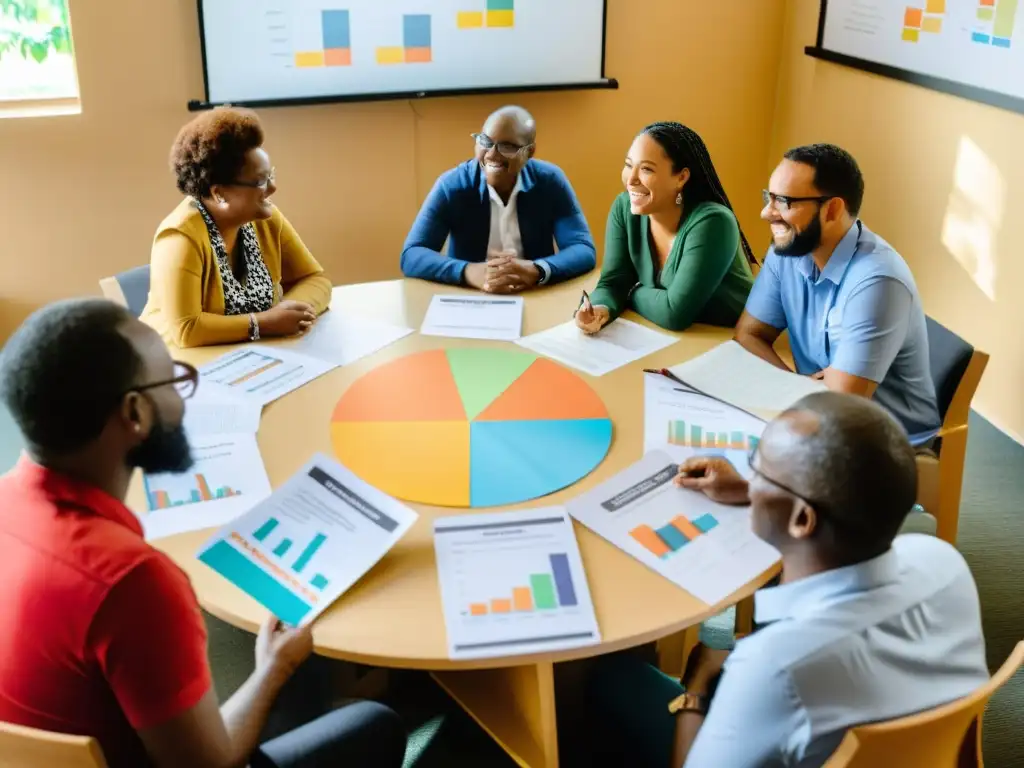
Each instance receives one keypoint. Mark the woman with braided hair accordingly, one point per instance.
(674, 251)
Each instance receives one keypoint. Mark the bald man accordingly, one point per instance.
(502, 213)
(862, 626)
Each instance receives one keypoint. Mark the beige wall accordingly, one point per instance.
(945, 185)
(81, 196)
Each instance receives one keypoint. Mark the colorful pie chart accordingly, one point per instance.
(470, 427)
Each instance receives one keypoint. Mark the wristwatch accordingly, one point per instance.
(689, 702)
(254, 328)
(545, 272)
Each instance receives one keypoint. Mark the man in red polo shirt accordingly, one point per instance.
(100, 634)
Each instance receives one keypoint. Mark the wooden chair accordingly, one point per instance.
(129, 289)
(956, 369)
(945, 737)
(22, 747)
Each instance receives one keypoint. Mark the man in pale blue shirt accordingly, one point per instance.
(862, 626)
(849, 301)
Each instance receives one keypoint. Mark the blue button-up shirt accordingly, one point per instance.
(861, 315)
(874, 641)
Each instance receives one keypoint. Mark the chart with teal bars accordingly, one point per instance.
(685, 423)
(305, 545)
(706, 548)
(226, 478)
(289, 49)
(512, 583)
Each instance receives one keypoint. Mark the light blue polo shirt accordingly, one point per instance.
(860, 315)
(881, 639)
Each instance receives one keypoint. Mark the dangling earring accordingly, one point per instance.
(679, 198)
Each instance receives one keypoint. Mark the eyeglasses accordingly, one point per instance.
(257, 184)
(818, 506)
(185, 381)
(785, 202)
(505, 148)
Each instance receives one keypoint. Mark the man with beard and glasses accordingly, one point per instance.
(502, 214)
(100, 633)
(848, 299)
(864, 625)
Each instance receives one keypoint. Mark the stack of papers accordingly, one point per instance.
(512, 583)
(499, 318)
(303, 547)
(617, 344)
(708, 549)
(745, 380)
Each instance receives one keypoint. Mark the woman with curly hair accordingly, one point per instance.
(226, 265)
(674, 252)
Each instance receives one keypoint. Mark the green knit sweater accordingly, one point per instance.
(706, 278)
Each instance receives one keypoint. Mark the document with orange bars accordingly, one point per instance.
(261, 373)
(512, 583)
(708, 549)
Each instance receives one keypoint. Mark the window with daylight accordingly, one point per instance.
(37, 62)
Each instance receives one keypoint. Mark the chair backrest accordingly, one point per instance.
(948, 736)
(949, 356)
(22, 747)
(130, 289)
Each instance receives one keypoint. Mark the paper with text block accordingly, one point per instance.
(617, 344)
(499, 318)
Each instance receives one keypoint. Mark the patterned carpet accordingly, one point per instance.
(991, 531)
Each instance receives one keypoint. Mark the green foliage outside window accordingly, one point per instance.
(34, 28)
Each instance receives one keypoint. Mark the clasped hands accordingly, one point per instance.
(502, 273)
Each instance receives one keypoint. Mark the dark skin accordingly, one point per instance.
(793, 179)
(783, 520)
(232, 206)
(503, 272)
(653, 187)
(204, 736)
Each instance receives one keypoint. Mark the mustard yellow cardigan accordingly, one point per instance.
(186, 296)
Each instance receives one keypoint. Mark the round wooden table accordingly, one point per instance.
(392, 617)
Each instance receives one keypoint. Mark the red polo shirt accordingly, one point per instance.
(100, 634)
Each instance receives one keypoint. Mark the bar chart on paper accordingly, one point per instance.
(668, 539)
(302, 547)
(684, 433)
(283, 546)
(546, 591)
(706, 548)
(682, 418)
(263, 373)
(227, 474)
(512, 582)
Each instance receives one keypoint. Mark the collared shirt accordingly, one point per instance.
(874, 641)
(505, 235)
(100, 634)
(861, 315)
